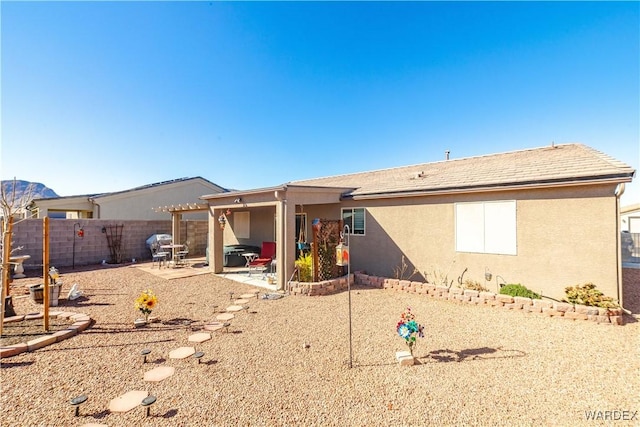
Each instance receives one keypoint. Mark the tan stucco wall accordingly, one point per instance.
(564, 237)
(72, 204)
(261, 223)
(140, 204)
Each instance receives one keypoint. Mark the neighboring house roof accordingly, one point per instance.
(142, 187)
(160, 184)
(551, 165)
(77, 197)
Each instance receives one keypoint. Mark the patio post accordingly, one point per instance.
(215, 242)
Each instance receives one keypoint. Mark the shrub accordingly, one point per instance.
(517, 290)
(305, 267)
(473, 285)
(401, 270)
(587, 294)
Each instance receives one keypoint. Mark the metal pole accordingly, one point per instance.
(73, 251)
(45, 271)
(346, 233)
(73, 257)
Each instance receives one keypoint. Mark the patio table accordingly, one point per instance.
(249, 256)
(174, 249)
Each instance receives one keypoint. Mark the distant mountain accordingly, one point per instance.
(33, 190)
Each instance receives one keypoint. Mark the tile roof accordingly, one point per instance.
(557, 164)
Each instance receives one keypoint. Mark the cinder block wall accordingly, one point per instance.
(93, 247)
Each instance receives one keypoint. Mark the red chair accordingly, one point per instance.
(267, 254)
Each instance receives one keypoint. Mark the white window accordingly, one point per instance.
(354, 218)
(486, 227)
(241, 225)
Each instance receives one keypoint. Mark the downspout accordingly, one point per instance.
(96, 209)
(618, 192)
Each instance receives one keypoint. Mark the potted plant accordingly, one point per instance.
(146, 302)
(37, 291)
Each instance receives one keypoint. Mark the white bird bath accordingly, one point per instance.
(18, 270)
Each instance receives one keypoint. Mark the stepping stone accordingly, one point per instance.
(225, 316)
(200, 337)
(241, 301)
(127, 401)
(160, 373)
(213, 326)
(248, 296)
(181, 353)
(233, 308)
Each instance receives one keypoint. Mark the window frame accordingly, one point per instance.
(489, 227)
(352, 230)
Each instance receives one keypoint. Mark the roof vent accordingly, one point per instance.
(446, 155)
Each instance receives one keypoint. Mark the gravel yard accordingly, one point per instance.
(477, 365)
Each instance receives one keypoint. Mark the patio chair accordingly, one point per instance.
(267, 254)
(181, 255)
(158, 255)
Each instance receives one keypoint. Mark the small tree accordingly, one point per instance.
(11, 203)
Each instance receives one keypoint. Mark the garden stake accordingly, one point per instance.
(77, 401)
(144, 354)
(147, 402)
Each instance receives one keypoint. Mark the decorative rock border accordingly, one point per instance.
(80, 322)
(325, 287)
(467, 296)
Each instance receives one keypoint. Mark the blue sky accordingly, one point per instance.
(106, 96)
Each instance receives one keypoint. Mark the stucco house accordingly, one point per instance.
(545, 217)
(630, 218)
(139, 203)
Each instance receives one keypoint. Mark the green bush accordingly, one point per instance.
(587, 294)
(517, 290)
(305, 267)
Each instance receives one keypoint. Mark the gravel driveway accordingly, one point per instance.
(477, 365)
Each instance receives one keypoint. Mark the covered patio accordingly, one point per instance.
(276, 214)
